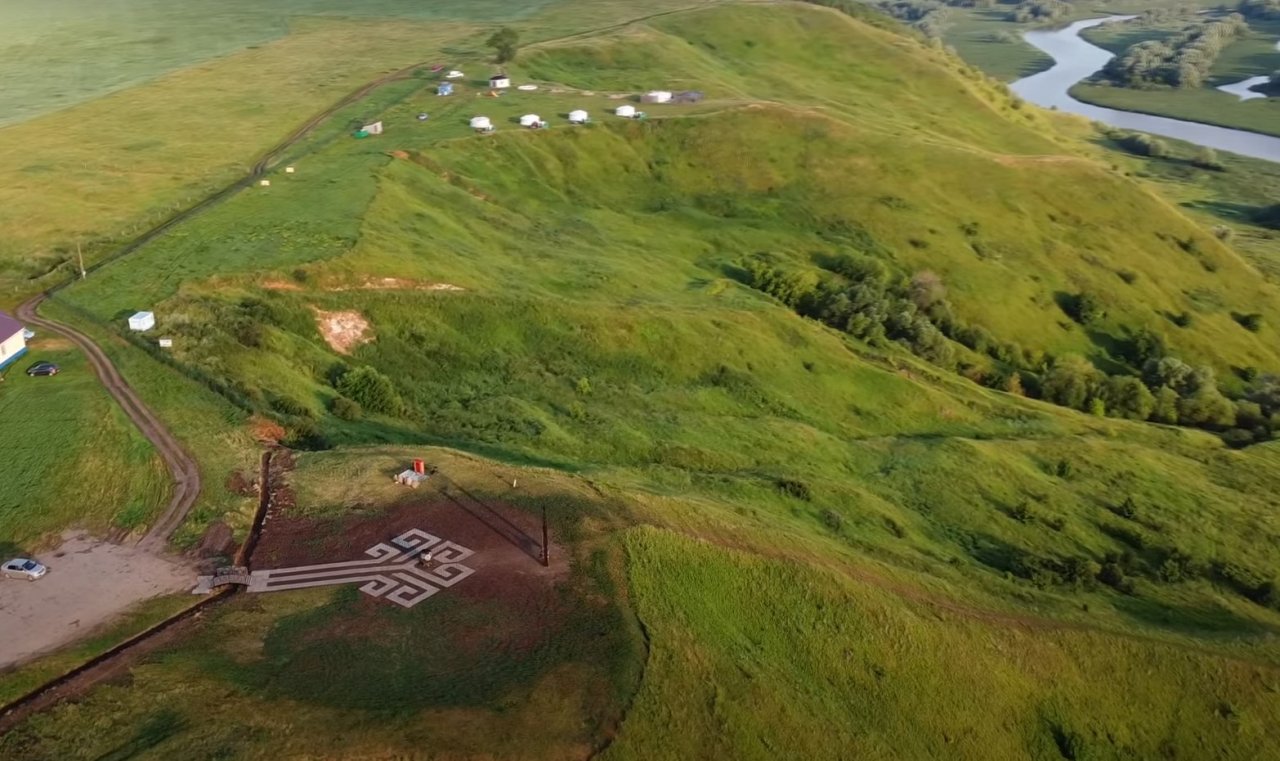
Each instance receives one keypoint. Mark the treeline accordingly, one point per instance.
(1183, 60)
(861, 296)
(1038, 10)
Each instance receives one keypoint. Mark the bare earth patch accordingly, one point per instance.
(90, 581)
(343, 331)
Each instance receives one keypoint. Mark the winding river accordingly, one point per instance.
(1075, 59)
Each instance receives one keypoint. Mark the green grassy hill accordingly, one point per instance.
(829, 546)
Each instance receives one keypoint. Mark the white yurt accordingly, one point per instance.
(531, 120)
(626, 112)
(578, 117)
(455, 74)
(656, 96)
(481, 123)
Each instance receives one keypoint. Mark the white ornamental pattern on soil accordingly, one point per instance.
(392, 572)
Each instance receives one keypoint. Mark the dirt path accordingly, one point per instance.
(183, 468)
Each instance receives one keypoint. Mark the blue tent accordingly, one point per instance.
(444, 88)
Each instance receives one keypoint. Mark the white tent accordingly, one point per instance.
(481, 123)
(499, 82)
(578, 117)
(142, 321)
(626, 112)
(374, 128)
(656, 96)
(531, 120)
(455, 74)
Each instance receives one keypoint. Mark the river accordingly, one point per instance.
(1075, 59)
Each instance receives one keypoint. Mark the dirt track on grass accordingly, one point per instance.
(183, 468)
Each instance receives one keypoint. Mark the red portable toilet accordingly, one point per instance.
(419, 466)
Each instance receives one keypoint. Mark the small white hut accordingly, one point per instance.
(374, 128)
(626, 111)
(499, 82)
(142, 321)
(579, 117)
(532, 121)
(656, 96)
(481, 124)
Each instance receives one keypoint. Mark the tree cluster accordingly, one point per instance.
(1183, 60)
(1038, 10)
(865, 298)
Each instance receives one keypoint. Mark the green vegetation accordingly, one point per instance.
(504, 43)
(59, 434)
(784, 340)
(1182, 60)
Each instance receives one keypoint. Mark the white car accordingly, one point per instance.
(23, 568)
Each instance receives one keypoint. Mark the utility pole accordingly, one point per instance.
(80, 256)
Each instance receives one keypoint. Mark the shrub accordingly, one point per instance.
(345, 409)
(305, 434)
(1251, 322)
(372, 390)
(832, 520)
(1127, 509)
(1022, 512)
(1085, 308)
(287, 405)
(794, 488)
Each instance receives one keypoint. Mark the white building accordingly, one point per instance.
(481, 124)
(626, 112)
(499, 82)
(374, 128)
(13, 341)
(532, 121)
(142, 321)
(656, 96)
(578, 117)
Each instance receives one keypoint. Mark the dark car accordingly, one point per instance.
(43, 368)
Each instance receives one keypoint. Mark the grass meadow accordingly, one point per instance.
(790, 540)
(71, 456)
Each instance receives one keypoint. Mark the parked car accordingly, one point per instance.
(23, 568)
(43, 368)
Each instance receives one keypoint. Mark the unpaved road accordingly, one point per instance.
(90, 582)
(185, 472)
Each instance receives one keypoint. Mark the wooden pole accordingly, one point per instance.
(80, 256)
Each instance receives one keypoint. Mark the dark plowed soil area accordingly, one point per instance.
(507, 541)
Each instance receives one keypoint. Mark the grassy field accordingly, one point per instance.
(73, 458)
(102, 171)
(805, 541)
(58, 56)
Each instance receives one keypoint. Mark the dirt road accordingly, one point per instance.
(186, 475)
(89, 583)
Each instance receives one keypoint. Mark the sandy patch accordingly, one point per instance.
(281, 285)
(343, 331)
(90, 582)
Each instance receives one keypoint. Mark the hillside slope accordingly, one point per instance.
(828, 541)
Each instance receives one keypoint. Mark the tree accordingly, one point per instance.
(926, 289)
(1207, 407)
(1165, 409)
(1072, 382)
(372, 390)
(1207, 158)
(504, 42)
(1128, 398)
